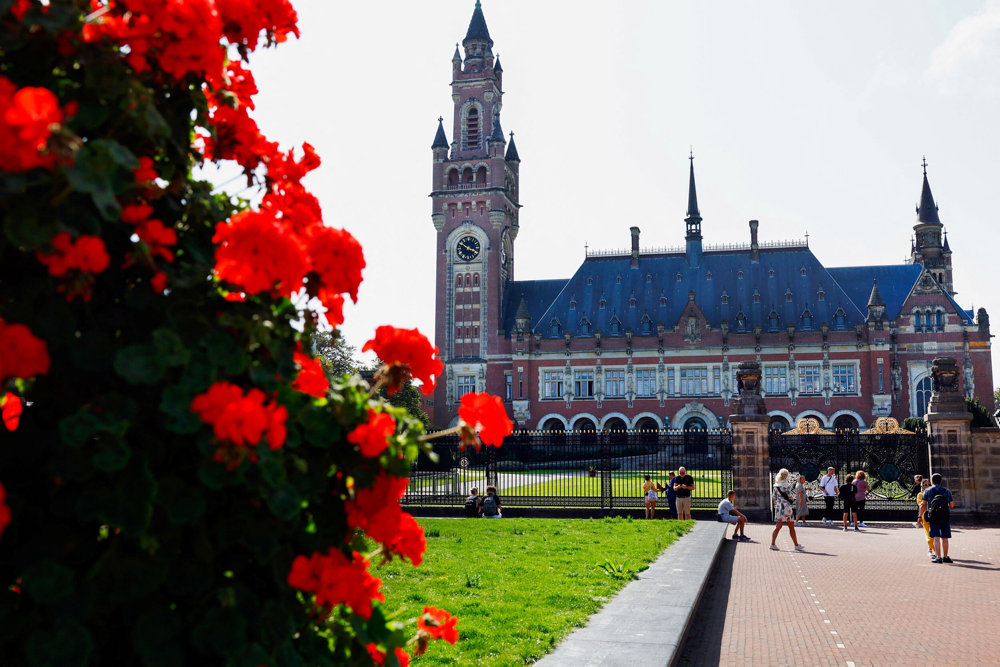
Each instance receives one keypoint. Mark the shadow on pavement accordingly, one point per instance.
(703, 642)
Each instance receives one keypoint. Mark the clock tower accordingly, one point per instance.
(474, 208)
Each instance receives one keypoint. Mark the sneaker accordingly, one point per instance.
(845, 529)
(857, 530)
(744, 538)
(931, 554)
(735, 536)
(774, 547)
(935, 559)
(946, 560)
(799, 547)
(916, 525)
(863, 524)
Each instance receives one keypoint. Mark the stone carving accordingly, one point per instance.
(887, 425)
(808, 426)
(945, 373)
(749, 402)
(946, 397)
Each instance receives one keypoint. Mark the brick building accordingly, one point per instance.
(650, 338)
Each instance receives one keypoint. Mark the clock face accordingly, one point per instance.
(467, 248)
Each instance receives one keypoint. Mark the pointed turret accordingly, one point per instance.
(876, 306)
(440, 140)
(947, 248)
(927, 212)
(457, 58)
(512, 155)
(477, 27)
(497, 68)
(522, 318)
(497, 134)
(876, 297)
(693, 221)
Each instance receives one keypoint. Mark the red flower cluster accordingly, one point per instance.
(245, 20)
(11, 406)
(145, 173)
(407, 353)
(439, 624)
(336, 580)
(151, 231)
(22, 354)
(372, 437)
(4, 510)
(311, 378)
(240, 420)
(378, 657)
(27, 119)
(84, 257)
(485, 414)
(255, 253)
(376, 511)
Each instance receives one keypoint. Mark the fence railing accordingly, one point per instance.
(575, 469)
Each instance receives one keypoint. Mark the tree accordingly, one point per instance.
(338, 357)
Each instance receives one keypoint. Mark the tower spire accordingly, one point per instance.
(440, 140)
(927, 212)
(693, 221)
(477, 28)
(692, 211)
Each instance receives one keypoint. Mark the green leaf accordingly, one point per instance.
(47, 582)
(102, 169)
(24, 226)
(170, 347)
(139, 364)
(176, 404)
(286, 503)
(113, 456)
(184, 504)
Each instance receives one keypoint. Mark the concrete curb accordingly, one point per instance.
(646, 621)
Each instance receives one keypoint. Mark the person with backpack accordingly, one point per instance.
(848, 491)
(473, 504)
(491, 508)
(938, 515)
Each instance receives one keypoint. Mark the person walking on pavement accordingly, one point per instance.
(939, 503)
(921, 508)
(782, 500)
(684, 486)
(801, 501)
(861, 481)
(828, 483)
(848, 491)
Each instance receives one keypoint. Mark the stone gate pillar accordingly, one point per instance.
(751, 461)
(950, 435)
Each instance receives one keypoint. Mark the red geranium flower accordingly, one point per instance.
(378, 657)
(145, 174)
(22, 354)
(28, 118)
(334, 304)
(485, 413)
(372, 436)
(439, 624)
(11, 405)
(336, 580)
(337, 258)
(406, 353)
(256, 254)
(376, 511)
(311, 378)
(240, 421)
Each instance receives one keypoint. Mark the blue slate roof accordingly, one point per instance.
(477, 26)
(894, 282)
(538, 295)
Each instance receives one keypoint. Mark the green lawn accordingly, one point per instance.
(706, 485)
(518, 586)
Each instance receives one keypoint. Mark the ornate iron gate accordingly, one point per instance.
(575, 469)
(890, 459)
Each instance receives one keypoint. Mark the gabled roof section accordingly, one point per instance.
(537, 295)
(477, 26)
(894, 284)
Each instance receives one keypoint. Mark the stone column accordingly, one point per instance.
(751, 460)
(950, 435)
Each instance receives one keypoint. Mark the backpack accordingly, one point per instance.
(938, 512)
(472, 507)
(490, 506)
(848, 492)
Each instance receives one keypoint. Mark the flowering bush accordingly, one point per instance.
(180, 482)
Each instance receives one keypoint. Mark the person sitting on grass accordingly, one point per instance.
(730, 514)
(491, 504)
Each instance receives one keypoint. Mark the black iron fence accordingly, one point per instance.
(889, 460)
(575, 469)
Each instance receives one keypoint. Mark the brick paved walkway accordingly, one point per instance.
(872, 598)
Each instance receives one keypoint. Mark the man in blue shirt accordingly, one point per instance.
(940, 519)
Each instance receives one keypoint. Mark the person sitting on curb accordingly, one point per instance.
(473, 504)
(491, 504)
(730, 514)
(938, 514)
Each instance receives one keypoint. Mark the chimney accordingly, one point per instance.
(635, 246)
(754, 247)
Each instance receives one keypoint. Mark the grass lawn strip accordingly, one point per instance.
(519, 586)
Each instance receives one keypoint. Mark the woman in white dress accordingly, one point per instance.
(781, 499)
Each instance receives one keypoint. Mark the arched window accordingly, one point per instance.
(845, 423)
(475, 280)
(741, 320)
(647, 324)
(584, 424)
(807, 319)
(458, 280)
(453, 177)
(838, 318)
(615, 424)
(916, 321)
(695, 424)
(553, 424)
(555, 328)
(778, 425)
(616, 327)
(467, 176)
(585, 326)
(468, 280)
(472, 128)
(772, 320)
(481, 176)
(647, 424)
(923, 396)
(938, 319)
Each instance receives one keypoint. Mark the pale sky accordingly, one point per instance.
(810, 117)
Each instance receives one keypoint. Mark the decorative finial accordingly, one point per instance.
(807, 238)
(478, 6)
(691, 156)
(511, 133)
(923, 163)
(440, 119)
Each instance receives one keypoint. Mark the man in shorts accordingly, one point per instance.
(730, 514)
(940, 530)
(684, 486)
(828, 483)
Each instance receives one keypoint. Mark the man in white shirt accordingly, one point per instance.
(729, 514)
(828, 483)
